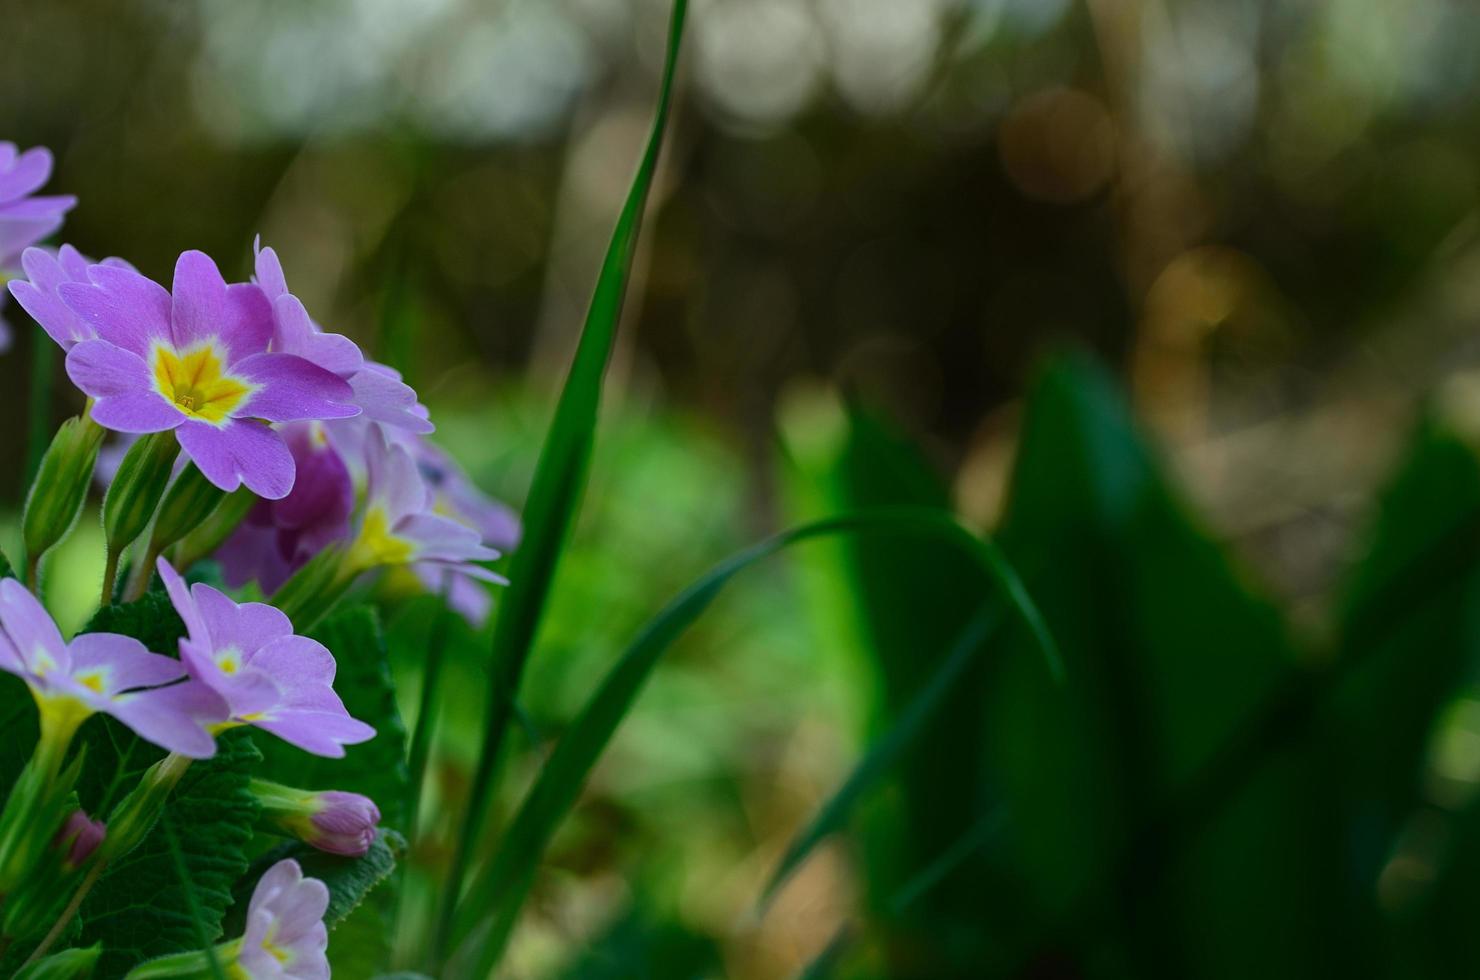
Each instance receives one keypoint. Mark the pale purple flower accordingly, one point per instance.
(24, 219)
(455, 494)
(344, 823)
(196, 362)
(102, 672)
(37, 293)
(378, 390)
(268, 677)
(279, 536)
(397, 523)
(286, 938)
(80, 835)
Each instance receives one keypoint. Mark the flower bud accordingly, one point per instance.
(191, 499)
(69, 964)
(134, 493)
(136, 814)
(331, 820)
(57, 495)
(80, 837)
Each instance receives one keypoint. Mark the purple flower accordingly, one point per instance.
(80, 835)
(279, 536)
(101, 672)
(344, 824)
(286, 936)
(38, 295)
(455, 495)
(378, 390)
(197, 362)
(25, 220)
(248, 655)
(398, 527)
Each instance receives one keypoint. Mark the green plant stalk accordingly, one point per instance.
(214, 530)
(555, 493)
(426, 713)
(38, 409)
(187, 505)
(486, 916)
(58, 489)
(133, 496)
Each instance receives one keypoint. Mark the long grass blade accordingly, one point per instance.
(884, 753)
(488, 912)
(918, 886)
(555, 492)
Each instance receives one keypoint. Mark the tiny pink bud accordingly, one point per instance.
(344, 823)
(80, 835)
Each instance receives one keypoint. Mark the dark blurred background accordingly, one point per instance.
(1262, 214)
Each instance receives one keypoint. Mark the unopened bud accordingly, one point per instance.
(56, 497)
(331, 820)
(191, 499)
(134, 494)
(79, 837)
(69, 964)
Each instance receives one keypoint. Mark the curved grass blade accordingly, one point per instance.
(884, 753)
(555, 492)
(823, 965)
(487, 913)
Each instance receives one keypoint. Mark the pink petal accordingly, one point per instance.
(175, 718)
(294, 389)
(121, 306)
(129, 662)
(241, 451)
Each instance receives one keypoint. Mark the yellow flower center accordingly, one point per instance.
(376, 545)
(196, 382)
(229, 661)
(92, 680)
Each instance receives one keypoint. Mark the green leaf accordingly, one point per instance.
(1409, 636)
(498, 891)
(349, 879)
(151, 619)
(885, 753)
(376, 768)
(1169, 656)
(555, 491)
(139, 909)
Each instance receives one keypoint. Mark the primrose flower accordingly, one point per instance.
(286, 936)
(37, 293)
(99, 672)
(278, 536)
(379, 391)
(455, 495)
(398, 527)
(25, 220)
(268, 677)
(196, 362)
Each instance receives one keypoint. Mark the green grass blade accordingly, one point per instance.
(559, 479)
(916, 887)
(493, 901)
(885, 753)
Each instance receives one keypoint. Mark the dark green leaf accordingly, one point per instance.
(139, 909)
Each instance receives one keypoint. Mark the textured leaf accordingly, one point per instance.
(139, 909)
(151, 619)
(350, 879)
(376, 768)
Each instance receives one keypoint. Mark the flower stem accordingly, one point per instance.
(67, 915)
(138, 582)
(110, 575)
